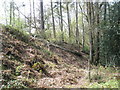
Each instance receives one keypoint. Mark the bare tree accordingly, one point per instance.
(54, 32)
(61, 21)
(77, 31)
(30, 20)
(68, 18)
(83, 33)
(10, 13)
(34, 14)
(5, 10)
(42, 16)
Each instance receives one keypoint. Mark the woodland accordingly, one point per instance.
(60, 44)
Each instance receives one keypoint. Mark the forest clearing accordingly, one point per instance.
(60, 44)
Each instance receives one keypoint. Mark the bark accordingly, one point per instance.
(10, 13)
(97, 37)
(77, 31)
(68, 18)
(30, 20)
(83, 33)
(42, 16)
(13, 13)
(5, 10)
(61, 22)
(54, 32)
(89, 12)
(58, 12)
(34, 14)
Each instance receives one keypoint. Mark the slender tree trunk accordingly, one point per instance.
(105, 12)
(10, 13)
(97, 36)
(30, 20)
(34, 14)
(77, 31)
(92, 31)
(54, 32)
(68, 18)
(61, 22)
(58, 14)
(89, 10)
(83, 33)
(5, 10)
(25, 17)
(42, 18)
(13, 13)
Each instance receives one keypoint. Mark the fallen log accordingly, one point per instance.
(73, 52)
(57, 46)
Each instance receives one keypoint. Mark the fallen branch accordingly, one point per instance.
(57, 46)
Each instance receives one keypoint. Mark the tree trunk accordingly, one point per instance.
(30, 20)
(89, 10)
(77, 31)
(54, 32)
(61, 22)
(34, 14)
(83, 33)
(10, 13)
(68, 18)
(13, 13)
(97, 36)
(5, 10)
(42, 18)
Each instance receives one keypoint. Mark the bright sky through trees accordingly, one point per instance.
(26, 2)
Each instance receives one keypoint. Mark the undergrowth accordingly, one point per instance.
(17, 33)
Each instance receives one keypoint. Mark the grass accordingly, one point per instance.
(17, 33)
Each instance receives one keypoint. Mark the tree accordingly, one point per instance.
(97, 35)
(11, 3)
(68, 18)
(5, 10)
(30, 20)
(61, 24)
(83, 32)
(110, 45)
(34, 14)
(77, 31)
(42, 17)
(54, 32)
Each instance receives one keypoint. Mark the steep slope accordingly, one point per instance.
(27, 62)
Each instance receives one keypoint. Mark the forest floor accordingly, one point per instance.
(27, 62)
